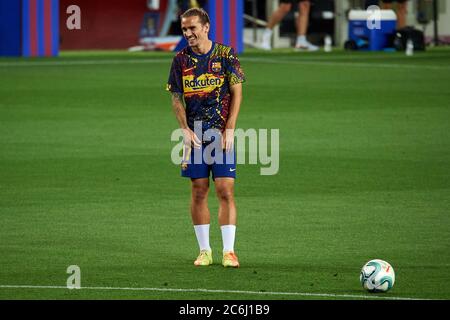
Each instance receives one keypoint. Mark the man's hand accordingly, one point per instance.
(190, 139)
(228, 139)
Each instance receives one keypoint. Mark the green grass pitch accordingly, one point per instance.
(86, 178)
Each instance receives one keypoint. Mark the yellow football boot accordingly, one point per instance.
(204, 258)
(230, 260)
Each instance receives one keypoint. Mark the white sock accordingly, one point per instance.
(202, 234)
(267, 35)
(228, 235)
(301, 39)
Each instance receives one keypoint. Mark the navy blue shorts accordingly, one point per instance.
(200, 163)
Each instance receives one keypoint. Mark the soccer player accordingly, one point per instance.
(207, 77)
(304, 7)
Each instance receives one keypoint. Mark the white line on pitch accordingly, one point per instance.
(82, 62)
(344, 64)
(270, 293)
(309, 62)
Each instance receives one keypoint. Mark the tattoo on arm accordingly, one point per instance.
(178, 108)
(177, 97)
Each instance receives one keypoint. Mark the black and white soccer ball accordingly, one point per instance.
(377, 276)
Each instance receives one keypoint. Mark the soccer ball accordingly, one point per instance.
(377, 276)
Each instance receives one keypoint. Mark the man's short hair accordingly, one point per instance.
(199, 12)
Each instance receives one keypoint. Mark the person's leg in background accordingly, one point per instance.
(401, 11)
(304, 7)
(276, 17)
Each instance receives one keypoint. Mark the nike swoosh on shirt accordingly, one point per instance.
(231, 170)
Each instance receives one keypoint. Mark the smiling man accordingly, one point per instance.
(206, 85)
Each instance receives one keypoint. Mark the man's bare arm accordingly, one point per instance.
(180, 113)
(178, 109)
(235, 106)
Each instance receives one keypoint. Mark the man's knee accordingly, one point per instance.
(304, 7)
(225, 194)
(285, 8)
(402, 7)
(199, 192)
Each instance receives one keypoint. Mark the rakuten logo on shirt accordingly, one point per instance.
(203, 83)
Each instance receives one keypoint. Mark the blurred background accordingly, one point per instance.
(154, 24)
(330, 17)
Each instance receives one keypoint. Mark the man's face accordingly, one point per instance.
(194, 32)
